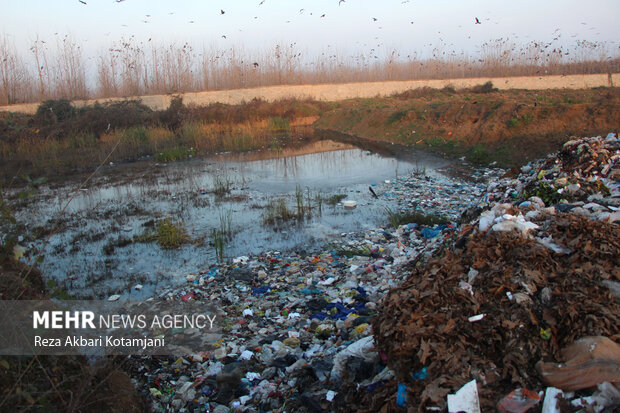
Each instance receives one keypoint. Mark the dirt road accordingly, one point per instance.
(333, 92)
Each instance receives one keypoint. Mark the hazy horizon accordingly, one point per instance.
(79, 48)
(348, 26)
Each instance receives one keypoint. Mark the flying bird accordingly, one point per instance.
(374, 19)
(477, 21)
(255, 64)
(261, 2)
(82, 1)
(223, 36)
(222, 11)
(341, 1)
(322, 15)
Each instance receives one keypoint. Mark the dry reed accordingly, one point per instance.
(130, 68)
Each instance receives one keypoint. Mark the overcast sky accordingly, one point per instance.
(347, 26)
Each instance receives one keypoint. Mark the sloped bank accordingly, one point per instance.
(522, 282)
(511, 127)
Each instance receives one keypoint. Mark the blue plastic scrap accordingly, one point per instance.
(261, 290)
(401, 394)
(430, 233)
(308, 291)
(362, 292)
(420, 374)
(373, 386)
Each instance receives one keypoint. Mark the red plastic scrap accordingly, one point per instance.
(518, 401)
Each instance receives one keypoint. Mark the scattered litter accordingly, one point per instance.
(518, 401)
(349, 204)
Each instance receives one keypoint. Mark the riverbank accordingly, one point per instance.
(481, 123)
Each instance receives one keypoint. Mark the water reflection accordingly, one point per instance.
(120, 204)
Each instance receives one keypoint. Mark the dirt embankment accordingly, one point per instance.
(511, 127)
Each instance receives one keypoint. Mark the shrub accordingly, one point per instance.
(484, 88)
(99, 118)
(53, 111)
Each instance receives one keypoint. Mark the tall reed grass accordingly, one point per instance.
(130, 68)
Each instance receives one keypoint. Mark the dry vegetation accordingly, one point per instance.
(62, 139)
(129, 68)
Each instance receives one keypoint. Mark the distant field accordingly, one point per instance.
(342, 91)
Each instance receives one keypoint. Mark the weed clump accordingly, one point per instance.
(168, 234)
(484, 88)
(335, 199)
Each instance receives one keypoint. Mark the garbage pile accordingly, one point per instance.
(525, 285)
(468, 316)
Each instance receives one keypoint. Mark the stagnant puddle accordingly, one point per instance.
(93, 252)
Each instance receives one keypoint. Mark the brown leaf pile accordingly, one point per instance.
(556, 300)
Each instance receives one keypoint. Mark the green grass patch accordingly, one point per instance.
(512, 123)
(135, 135)
(279, 124)
(396, 117)
(175, 154)
(479, 154)
(351, 251)
(521, 121)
